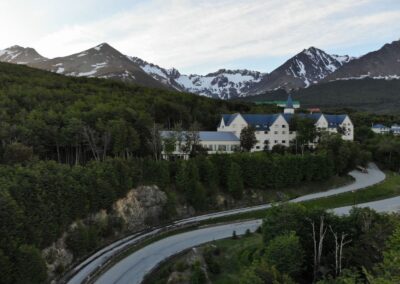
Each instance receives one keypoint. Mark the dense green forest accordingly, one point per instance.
(74, 120)
(373, 95)
(73, 146)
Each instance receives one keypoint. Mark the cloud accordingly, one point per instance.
(189, 33)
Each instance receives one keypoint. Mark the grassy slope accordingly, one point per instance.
(387, 189)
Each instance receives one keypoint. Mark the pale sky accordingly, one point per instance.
(201, 36)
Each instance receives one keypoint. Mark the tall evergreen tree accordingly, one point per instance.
(248, 138)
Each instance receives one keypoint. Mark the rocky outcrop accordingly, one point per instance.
(141, 207)
(57, 257)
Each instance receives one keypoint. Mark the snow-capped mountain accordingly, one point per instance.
(20, 55)
(304, 69)
(381, 64)
(102, 61)
(308, 67)
(165, 76)
(223, 84)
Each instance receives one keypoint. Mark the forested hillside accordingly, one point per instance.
(71, 147)
(77, 119)
(374, 95)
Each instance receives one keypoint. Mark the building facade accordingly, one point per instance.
(380, 129)
(270, 130)
(213, 141)
(383, 129)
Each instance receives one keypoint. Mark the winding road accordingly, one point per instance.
(133, 268)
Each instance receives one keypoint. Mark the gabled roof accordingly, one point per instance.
(312, 116)
(258, 121)
(379, 126)
(206, 135)
(228, 118)
(335, 119)
(264, 121)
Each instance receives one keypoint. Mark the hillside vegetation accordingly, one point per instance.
(381, 96)
(71, 147)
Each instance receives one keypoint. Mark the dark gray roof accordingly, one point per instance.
(258, 121)
(379, 126)
(207, 135)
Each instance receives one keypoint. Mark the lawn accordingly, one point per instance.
(387, 189)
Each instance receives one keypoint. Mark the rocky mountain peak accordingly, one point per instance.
(380, 64)
(20, 55)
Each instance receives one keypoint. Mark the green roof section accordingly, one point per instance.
(283, 103)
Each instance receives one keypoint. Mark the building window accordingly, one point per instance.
(221, 147)
(283, 141)
(283, 126)
(275, 132)
(235, 148)
(283, 132)
(257, 147)
(276, 141)
(265, 132)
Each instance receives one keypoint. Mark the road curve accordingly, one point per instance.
(83, 270)
(361, 180)
(134, 268)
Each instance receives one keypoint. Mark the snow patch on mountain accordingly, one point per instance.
(92, 72)
(388, 77)
(19, 55)
(224, 84)
(313, 65)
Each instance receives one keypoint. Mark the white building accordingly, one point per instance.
(395, 129)
(380, 129)
(274, 129)
(213, 141)
(270, 130)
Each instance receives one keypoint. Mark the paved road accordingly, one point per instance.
(134, 268)
(374, 176)
(387, 205)
(98, 259)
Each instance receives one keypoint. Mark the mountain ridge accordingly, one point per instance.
(382, 63)
(308, 67)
